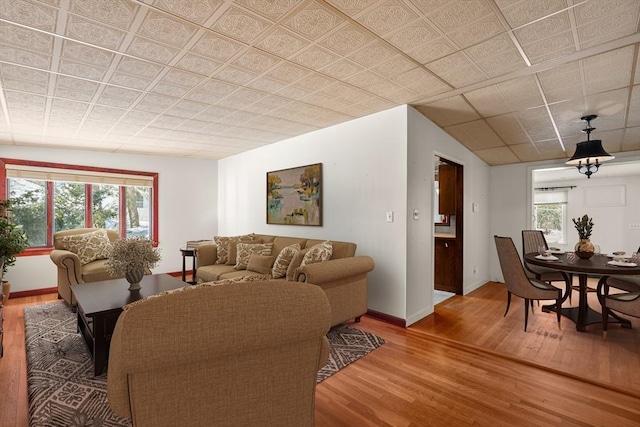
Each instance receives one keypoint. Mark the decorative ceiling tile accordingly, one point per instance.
(283, 43)
(477, 32)
(624, 23)
(498, 156)
(235, 75)
(428, 52)
(114, 102)
(166, 29)
(599, 76)
(631, 139)
(89, 31)
(198, 11)
(522, 12)
(421, 82)
(22, 73)
(342, 69)
(255, 61)
(86, 54)
(240, 25)
(456, 70)
(64, 107)
(588, 12)
(372, 54)
(73, 94)
(288, 73)
(508, 129)
(273, 10)
(181, 78)
(314, 82)
(185, 108)
(313, 21)
(386, 17)
(170, 90)
(138, 117)
(488, 101)
(294, 92)
(128, 81)
(547, 27)
(459, 13)
(198, 64)
(413, 35)
(521, 93)
(315, 57)
(24, 57)
(490, 48)
(475, 135)
(217, 87)
(81, 70)
(139, 68)
(118, 92)
(26, 39)
(365, 78)
(525, 152)
(449, 111)
(552, 55)
(29, 13)
(23, 86)
(119, 13)
(508, 62)
(352, 7)
(217, 47)
(551, 44)
(101, 112)
(148, 49)
(346, 38)
(393, 66)
(266, 84)
(166, 121)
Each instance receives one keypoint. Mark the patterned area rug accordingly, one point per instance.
(63, 391)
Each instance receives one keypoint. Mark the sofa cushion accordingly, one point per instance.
(88, 246)
(209, 273)
(246, 249)
(260, 263)
(285, 256)
(295, 263)
(318, 253)
(340, 249)
(223, 249)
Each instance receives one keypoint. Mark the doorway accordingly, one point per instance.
(448, 225)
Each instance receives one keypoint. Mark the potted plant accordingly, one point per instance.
(12, 242)
(132, 257)
(584, 248)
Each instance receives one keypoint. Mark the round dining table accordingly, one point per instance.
(598, 265)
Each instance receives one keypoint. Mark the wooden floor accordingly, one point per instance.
(463, 365)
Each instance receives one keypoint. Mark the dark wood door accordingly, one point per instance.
(446, 277)
(447, 189)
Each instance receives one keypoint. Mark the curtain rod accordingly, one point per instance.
(554, 188)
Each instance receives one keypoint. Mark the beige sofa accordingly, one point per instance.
(245, 354)
(343, 278)
(70, 269)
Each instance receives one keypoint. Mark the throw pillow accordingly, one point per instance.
(246, 249)
(223, 246)
(88, 246)
(284, 259)
(260, 263)
(318, 253)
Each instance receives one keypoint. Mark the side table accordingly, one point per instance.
(191, 253)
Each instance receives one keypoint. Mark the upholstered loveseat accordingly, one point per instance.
(80, 256)
(343, 277)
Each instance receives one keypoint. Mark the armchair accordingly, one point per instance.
(71, 270)
(241, 354)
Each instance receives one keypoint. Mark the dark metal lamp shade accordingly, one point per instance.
(589, 154)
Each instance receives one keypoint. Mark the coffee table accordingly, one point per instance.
(100, 305)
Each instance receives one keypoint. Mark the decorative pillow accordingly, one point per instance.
(318, 253)
(246, 249)
(223, 248)
(284, 259)
(260, 263)
(88, 246)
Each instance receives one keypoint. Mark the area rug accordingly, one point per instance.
(63, 391)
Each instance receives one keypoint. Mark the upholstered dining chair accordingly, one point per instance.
(625, 302)
(517, 282)
(531, 241)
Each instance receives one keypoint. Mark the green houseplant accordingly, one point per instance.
(12, 242)
(132, 257)
(584, 248)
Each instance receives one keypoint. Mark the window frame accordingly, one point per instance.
(563, 204)
(40, 250)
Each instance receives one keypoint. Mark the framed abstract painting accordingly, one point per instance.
(294, 196)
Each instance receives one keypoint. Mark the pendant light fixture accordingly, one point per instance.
(589, 154)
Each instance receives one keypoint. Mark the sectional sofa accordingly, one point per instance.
(343, 277)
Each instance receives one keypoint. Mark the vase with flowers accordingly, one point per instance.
(584, 248)
(134, 257)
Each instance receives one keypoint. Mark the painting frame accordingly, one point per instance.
(294, 196)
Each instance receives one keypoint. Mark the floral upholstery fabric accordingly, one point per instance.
(89, 246)
(224, 250)
(246, 249)
(283, 260)
(318, 253)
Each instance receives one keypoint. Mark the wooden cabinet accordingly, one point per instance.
(447, 189)
(445, 274)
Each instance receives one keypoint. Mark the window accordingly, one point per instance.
(48, 198)
(550, 214)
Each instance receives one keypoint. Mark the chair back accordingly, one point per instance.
(512, 270)
(236, 354)
(113, 235)
(532, 240)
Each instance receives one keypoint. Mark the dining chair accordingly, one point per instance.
(625, 302)
(519, 284)
(531, 241)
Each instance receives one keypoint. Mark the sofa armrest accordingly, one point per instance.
(70, 262)
(333, 270)
(206, 254)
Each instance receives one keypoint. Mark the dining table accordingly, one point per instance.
(599, 265)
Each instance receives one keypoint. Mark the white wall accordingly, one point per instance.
(371, 165)
(511, 193)
(364, 176)
(426, 140)
(187, 205)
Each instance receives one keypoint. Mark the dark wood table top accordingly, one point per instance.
(596, 265)
(110, 295)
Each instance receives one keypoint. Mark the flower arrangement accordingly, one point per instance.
(584, 226)
(134, 253)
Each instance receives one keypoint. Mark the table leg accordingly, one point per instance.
(184, 267)
(99, 345)
(193, 275)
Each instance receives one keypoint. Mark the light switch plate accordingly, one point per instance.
(390, 216)
(475, 207)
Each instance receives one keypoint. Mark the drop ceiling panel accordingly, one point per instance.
(216, 77)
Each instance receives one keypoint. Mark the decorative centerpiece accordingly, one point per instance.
(132, 257)
(584, 248)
